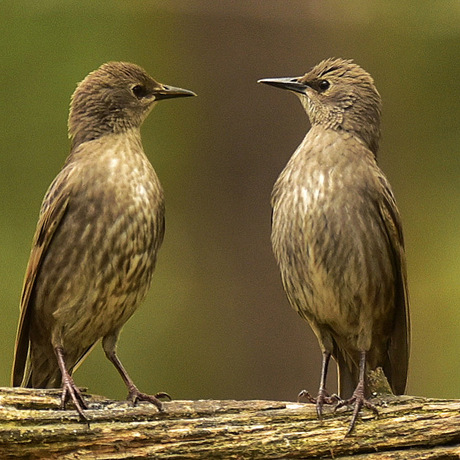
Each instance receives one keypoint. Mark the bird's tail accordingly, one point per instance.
(348, 375)
(40, 371)
(50, 378)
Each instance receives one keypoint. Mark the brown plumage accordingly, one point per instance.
(337, 236)
(100, 227)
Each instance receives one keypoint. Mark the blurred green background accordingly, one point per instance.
(216, 323)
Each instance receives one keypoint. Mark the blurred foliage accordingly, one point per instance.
(216, 323)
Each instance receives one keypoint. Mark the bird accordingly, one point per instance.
(100, 227)
(337, 235)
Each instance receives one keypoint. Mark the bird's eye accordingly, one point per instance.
(139, 91)
(323, 85)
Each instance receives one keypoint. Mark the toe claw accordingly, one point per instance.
(163, 395)
(71, 391)
(304, 394)
(135, 396)
(358, 401)
(322, 399)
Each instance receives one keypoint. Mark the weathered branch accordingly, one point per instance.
(32, 426)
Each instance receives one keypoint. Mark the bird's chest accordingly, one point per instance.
(108, 241)
(310, 202)
(317, 204)
(130, 218)
(124, 195)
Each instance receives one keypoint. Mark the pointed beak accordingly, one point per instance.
(290, 83)
(168, 92)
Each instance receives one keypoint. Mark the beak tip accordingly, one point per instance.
(187, 93)
(289, 83)
(169, 92)
(266, 81)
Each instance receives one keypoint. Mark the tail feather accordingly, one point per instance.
(348, 375)
(44, 373)
(39, 370)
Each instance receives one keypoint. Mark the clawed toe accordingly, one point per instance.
(135, 396)
(358, 401)
(305, 395)
(322, 399)
(71, 392)
(163, 395)
(354, 401)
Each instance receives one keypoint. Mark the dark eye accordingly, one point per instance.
(139, 91)
(323, 85)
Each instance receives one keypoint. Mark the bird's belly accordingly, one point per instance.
(335, 271)
(98, 269)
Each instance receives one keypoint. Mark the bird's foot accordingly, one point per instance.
(71, 391)
(135, 396)
(323, 398)
(358, 401)
(305, 395)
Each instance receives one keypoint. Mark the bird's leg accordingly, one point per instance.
(358, 400)
(69, 389)
(134, 395)
(323, 396)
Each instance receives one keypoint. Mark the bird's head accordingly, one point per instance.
(116, 97)
(338, 94)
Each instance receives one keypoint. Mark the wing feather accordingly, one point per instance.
(49, 221)
(398, 351)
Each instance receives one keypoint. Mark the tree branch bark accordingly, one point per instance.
(33, 426)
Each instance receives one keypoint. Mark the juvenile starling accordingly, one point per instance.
(100, 227)
(337, 236)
